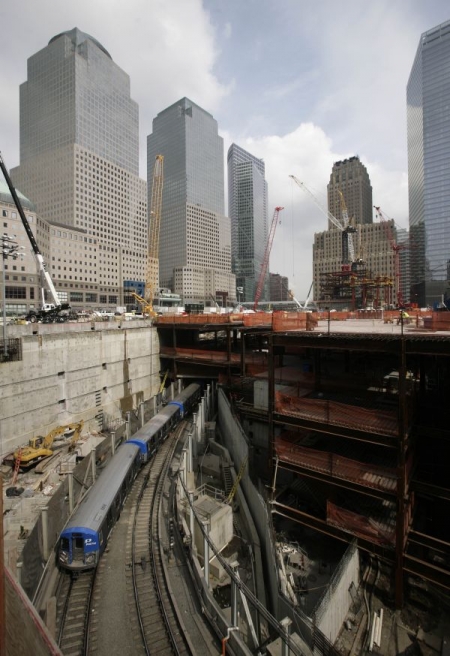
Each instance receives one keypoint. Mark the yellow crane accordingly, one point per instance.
(152, 273)
(41, 447)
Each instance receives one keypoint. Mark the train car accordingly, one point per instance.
(149, 437)
(85, 536)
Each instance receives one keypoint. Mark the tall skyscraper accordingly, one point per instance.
(350, 177)
(373, 255)
(195, 238)
(428, 122)
(79, 157)
(247, 207)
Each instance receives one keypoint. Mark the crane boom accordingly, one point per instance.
(265, 262)
(346, 229)
(49, 309)
(152, 275)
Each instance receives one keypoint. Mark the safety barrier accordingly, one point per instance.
(383, 422)
(332, 464)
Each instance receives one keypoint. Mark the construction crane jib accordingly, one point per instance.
(265, 262)
(333, 220)
(152, 275)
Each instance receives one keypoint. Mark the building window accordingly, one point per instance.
(16, 292)
(76, 297)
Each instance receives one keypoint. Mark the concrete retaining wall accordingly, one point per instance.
(75, 371)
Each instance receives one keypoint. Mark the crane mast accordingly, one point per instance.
(152, 273)
(265, 262)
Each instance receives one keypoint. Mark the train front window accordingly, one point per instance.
(65, 544)
(79, 543)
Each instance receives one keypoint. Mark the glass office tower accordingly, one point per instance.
(79, 165)
(247, 205)
(428, 116)
(195, 238)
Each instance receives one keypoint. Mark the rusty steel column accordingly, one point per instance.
(2, 577)
(229, 353)
(401, 479)
(242, 353)
(271, 405)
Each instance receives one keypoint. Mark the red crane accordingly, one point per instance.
(398, 294)
(265, 262)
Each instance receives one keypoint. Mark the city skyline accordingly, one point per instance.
(280, 92)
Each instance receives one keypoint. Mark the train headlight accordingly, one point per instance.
(63, 557)
(90, 559)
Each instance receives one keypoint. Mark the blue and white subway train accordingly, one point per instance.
(85, 535)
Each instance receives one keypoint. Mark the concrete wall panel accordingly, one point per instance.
(70, 372)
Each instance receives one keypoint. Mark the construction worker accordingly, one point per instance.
(403, 316)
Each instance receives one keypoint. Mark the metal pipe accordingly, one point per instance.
(45, 532)
(93, 463)
(142, 413)
(113, 442)
(206, 551)
(127, 426)
(70, 475)
(286, 624)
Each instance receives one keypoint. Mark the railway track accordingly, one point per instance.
(159, 627)
(73, 612)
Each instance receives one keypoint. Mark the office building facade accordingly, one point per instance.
(79, 159)
(279, 287)
(247, 206)
(350, 177)
(428, 126)
(195, 236)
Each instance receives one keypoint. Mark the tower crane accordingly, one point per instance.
(348, 252)
(152, 271)
(265, 262)
(387, 224)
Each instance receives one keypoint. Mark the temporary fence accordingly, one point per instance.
(383, 422)
(332, 464)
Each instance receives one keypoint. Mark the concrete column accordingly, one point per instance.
(191, 517)
(142, 413)
(70, 475)
(234, 596)
(45, 533)
(206, 551)
(127, 426)
(213, 399)
(286, 624)
(208, 402)
(191, 455)
(19, 571)
(113, 442)
(203, 413)
(154, 406)
(93, 464)
(172, 391)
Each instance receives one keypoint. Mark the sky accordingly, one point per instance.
(298, 83)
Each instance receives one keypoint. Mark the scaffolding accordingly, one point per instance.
(356, 287)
